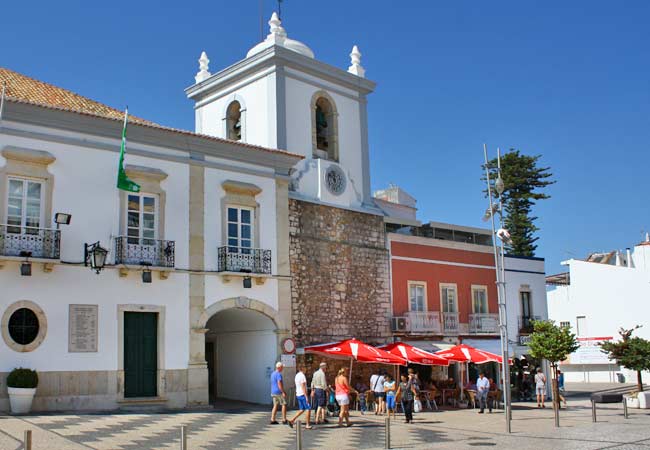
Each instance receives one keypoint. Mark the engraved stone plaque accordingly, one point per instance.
(82, 333)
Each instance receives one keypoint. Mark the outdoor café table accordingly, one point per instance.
(444, 395)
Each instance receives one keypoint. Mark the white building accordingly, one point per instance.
(596, 297)
(195, 298)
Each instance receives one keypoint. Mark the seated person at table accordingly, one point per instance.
(361, 388)
(470, 386)
(493, 385)
(450, 384)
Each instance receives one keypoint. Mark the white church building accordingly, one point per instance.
(194, 298)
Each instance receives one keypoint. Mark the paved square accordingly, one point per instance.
(247, 427)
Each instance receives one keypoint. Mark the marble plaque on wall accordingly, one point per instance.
(83, 323)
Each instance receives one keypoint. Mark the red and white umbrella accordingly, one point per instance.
(414, 354)
(353, 349)
(465, 353)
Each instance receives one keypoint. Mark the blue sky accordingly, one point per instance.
(567, 80)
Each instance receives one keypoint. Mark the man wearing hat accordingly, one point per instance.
(319, 392)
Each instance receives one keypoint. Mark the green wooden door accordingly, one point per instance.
(140, 354)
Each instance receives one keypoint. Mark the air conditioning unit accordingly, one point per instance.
(399, 324)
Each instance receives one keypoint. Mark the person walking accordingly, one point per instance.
(540, 387)
(301, 396)
(407, 391)
(482, 389)
(377, 386)
(277, 394)
(560, 386)
(342, 390)
(319, 393)
(390, 390)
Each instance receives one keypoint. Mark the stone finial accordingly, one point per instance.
(203, 72)
(355, 60)
(277, 32)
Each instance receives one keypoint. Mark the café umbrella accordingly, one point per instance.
(355, 350)
(466, 354)
(414, 355)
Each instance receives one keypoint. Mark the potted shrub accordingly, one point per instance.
(21, 387)
(632, 399)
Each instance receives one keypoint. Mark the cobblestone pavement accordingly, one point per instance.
(248, 428)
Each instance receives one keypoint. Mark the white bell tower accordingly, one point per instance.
(281, 97)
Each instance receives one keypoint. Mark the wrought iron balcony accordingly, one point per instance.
(450, 322)
(144, 252)
(37, 242)
(423, 322)
(484, 323)
(243, 259)
(526, 324)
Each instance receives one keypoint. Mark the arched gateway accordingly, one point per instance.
(240, 349)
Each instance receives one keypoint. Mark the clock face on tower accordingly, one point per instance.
(335, 180)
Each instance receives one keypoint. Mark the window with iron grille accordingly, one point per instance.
(23, 326)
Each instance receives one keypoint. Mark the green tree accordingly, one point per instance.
(523, 181)
(631, 352)
(552, 343)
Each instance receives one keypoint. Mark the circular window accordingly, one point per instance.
(335, 180)
(23, 326)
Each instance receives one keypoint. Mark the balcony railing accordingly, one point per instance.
(526, 324)
(484, 323)
(450, 322)
(29, 241)
(243, 259)
(142, 251)
(423, 322)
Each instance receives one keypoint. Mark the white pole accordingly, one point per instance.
(2, 100)
(502, 310)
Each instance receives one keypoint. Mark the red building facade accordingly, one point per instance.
(443, 289)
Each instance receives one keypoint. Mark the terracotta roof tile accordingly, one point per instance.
(23, 89)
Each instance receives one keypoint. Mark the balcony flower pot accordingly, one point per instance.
(21, 387)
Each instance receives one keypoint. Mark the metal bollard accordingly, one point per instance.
(387, 432)
(28, 440)
(298, 435)
(625, 407)
(183, 437)
(593, 411)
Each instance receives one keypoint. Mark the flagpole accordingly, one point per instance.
(2, 99)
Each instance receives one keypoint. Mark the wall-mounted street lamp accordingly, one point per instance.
(26, 266)
(95, 256)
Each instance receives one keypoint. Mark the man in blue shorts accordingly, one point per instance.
(301, 396)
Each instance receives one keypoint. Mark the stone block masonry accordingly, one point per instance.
(340, 275)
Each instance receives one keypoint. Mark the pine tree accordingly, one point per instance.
(523, 181)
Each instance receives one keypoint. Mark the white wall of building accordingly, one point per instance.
(53, 292)
(524, 274)
(609, 297)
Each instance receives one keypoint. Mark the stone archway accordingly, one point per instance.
(241, 349)
(239, 302)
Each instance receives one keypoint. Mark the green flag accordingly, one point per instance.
(123, 181)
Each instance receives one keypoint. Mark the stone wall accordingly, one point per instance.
(340, 277)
